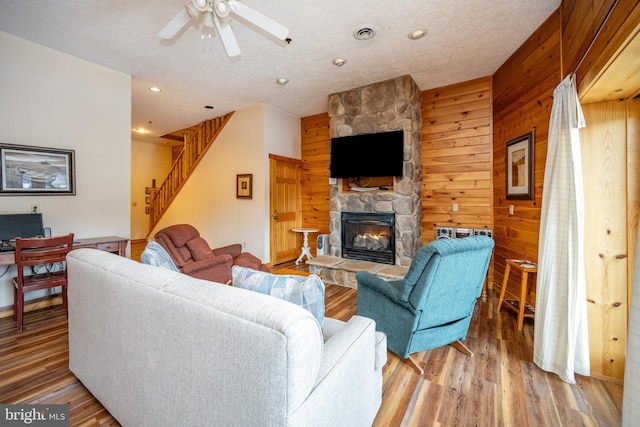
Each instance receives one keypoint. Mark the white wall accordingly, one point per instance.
(51, 99)
(148, 162)
(282, 137)
(208, 200)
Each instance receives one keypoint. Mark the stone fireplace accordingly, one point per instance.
(390, 105)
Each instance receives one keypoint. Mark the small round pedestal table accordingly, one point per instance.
(305, 243)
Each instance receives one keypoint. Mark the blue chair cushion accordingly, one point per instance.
(305, 291)
(155, 255)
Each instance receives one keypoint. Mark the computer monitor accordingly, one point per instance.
(20, 225)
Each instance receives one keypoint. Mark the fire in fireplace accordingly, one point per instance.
(368, 236)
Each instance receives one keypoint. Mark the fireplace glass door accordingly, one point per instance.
(369, 236)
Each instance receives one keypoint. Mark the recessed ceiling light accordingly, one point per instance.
(282, 81)
(365, 32)
(417, 34)
(339, 62)
(155, 89)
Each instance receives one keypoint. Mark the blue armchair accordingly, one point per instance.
(432, 306)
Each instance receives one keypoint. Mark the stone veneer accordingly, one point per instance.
(390, 105)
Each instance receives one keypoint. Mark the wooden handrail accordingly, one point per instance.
(195, 146)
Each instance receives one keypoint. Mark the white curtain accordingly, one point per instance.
(561, 339)
(631, 396)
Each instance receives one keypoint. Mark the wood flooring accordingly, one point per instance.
(499, 386)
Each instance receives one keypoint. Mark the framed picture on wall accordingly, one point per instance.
(520, 167)
(26, 170)
(244, 186)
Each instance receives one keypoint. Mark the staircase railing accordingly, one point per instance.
(196, 145)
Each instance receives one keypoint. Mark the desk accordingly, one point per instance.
(305, 245)
(113, 244)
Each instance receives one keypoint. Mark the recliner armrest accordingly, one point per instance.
(388, 288)
(233, 250)
(206, 263)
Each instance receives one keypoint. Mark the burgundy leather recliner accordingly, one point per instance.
(193, 256)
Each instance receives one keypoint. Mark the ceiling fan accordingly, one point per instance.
(217, 13)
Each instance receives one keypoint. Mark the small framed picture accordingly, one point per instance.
(244, 186)
(520, 167)
(26, 170)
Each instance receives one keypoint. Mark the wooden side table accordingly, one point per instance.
(520, 306)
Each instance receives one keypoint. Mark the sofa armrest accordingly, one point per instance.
(357, 328)
(348, 389)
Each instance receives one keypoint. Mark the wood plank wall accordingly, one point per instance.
(603, 144)
(580, 22)
(456, 157)
(315, 140)
(522, 90)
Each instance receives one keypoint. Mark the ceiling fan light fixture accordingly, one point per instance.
(417, 34)
(201, 5)
(222, 8)
(207, 19)
(216, 14)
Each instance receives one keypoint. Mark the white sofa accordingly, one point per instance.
(159, 348)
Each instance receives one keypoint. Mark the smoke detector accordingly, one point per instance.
(366, 32)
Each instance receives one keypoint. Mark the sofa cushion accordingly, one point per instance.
(155, 255)
(305, 291)
(199, 248)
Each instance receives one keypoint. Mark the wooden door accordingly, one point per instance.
(285, 207)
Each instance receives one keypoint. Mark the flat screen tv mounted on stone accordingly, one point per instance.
(367, 155)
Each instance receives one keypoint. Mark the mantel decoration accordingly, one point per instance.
(26, 170)
(244, 186)
(520, 167)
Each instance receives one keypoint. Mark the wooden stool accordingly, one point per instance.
(519, 306)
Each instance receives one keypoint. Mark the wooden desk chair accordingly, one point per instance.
(42, 255)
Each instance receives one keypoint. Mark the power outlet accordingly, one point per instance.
(34, 209)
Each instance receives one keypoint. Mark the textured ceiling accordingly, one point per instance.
(466, 39)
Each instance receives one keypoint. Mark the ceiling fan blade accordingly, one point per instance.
(175, 25)
(226, 35)
(259, 20)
